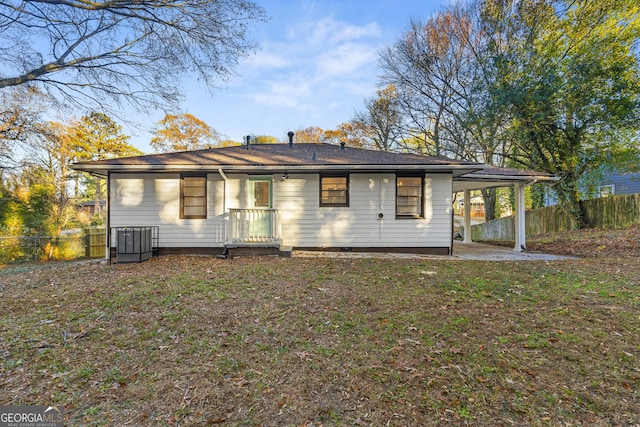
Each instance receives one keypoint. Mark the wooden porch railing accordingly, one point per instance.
(254, 226)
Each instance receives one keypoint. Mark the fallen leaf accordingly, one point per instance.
(303, 355)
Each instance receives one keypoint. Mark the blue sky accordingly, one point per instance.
(315, 64)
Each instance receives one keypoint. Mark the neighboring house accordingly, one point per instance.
(611, 184)
(615, 183)
(87, 210)
(477, 206)
(302, 196)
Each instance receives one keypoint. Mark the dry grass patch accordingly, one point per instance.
(591, 243)
(246, 342)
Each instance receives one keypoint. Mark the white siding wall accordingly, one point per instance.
(306, 224)
(154, 199)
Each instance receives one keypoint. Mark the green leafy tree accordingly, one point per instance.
(572, 86)
(550, 85)
(29, 199)
(95, 137)
(264, 139)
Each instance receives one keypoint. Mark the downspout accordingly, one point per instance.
(108, 230)
(453, 218)
(379, 206)
(224, 206)
(224, 197)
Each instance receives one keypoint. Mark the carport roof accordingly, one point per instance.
(493, 176)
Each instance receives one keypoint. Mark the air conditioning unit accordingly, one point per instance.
(133, 244)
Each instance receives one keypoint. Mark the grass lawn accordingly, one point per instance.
(181, 341)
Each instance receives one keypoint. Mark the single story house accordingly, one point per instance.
(88, 209)
(293, 196)
(477, 205)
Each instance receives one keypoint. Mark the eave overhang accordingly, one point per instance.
(102, 169)
(480, 181)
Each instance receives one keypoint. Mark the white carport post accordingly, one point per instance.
(520, 231)
(467, 216)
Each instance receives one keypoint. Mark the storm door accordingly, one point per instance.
(261, 201)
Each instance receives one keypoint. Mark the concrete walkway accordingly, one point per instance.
(461, 251)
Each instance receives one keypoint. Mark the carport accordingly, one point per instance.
(495, 177)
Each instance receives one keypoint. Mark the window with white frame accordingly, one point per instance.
(606, 190)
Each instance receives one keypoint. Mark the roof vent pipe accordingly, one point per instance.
(290, 135)
(248, 138)
(342, 144)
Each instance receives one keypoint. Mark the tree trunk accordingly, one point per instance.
(569, 199)
(96, 199)
(538, 193)
(490, 197)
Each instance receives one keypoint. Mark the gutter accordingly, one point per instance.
(531, 178)
(465, 169)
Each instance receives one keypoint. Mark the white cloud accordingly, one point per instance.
(264, 59)
(318, 62)
(329, 31)
(315, 64)
(284, 94)
(346, 60)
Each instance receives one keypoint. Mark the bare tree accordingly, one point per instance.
(444, 76)
(424, 66)
(86, 52)
(381, 119)
(20, 111)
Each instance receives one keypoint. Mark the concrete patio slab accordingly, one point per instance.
(479, 251)
(461, 251)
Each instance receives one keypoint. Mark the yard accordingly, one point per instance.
(182, 341)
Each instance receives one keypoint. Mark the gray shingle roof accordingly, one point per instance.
(280, 155)
(268, 158)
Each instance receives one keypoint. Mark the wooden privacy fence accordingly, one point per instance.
(613, 212)
(608, 212)
(96, 242)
